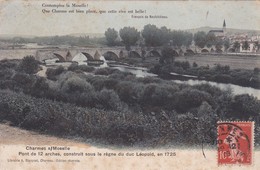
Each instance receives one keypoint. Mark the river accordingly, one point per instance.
(237, 90)
(143, 72)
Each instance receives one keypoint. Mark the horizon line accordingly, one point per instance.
(68, 34)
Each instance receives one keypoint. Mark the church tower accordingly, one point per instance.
(224, 27)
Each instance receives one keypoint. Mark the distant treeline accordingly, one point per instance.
(218, 73)
(150, 36)
(58, 40)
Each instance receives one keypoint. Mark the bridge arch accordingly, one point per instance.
(134, 54)
(204, 50)
(175, 53)
(59, 57)
(153, 53)
(89, 57)
(232, 50)
(110, 55)
(79, 57)
(189, 52)
(219, 51)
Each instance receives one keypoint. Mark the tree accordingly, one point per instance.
(236, 46)
(200, 39)
(219, 44)
(154, 36)
(29, 65)
(187, 39)
(164, 35)
(111, 36)
(245, 45)
(151, 35)
(226, 44)
(168, 55)
(210, 39)
(177, 38)
(257, 45)
(129, 36)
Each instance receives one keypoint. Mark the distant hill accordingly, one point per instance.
(229, 30)
(10, 36)
(91, 35)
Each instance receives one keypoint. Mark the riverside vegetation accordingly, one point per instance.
(218, 73)
(115, 107)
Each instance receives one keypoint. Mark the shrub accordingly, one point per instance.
(183, 64)
(9, 64)
(212, 90)
(245, 106)
(73, 67)
(256, 70)
(120, 75)
(9, 84)
(40, 88)
(110, 83)
(23, 81)
(194, 64)
(6, 73)
(206, 124)
(104, 71)
(185, 127)
(29, 65)
(190, 98)
(148, 80)
(124, 133)
(167, 69)
(125, 91)
(221, 69)
(76, 84)
(222, 78)
(109, 100)
(53, 72)
(158, 95)
(85, 68)
(241, 77)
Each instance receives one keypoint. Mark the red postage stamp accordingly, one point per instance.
(235, 142)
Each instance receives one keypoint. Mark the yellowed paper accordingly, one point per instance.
(39, 148)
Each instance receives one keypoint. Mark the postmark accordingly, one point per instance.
(235, 142)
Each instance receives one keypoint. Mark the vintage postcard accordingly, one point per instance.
(129, 84)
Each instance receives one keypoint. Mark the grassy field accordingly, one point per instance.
(235, 62)
(16, 53)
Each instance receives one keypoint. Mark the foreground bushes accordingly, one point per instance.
(51, 73)
(58, 118)
(29, 65)
(55, 117)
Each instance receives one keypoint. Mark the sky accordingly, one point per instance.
(25, 17)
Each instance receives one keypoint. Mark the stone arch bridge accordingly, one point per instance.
(69, 54)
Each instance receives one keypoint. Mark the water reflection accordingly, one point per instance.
(138, 72)
(234, 88)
